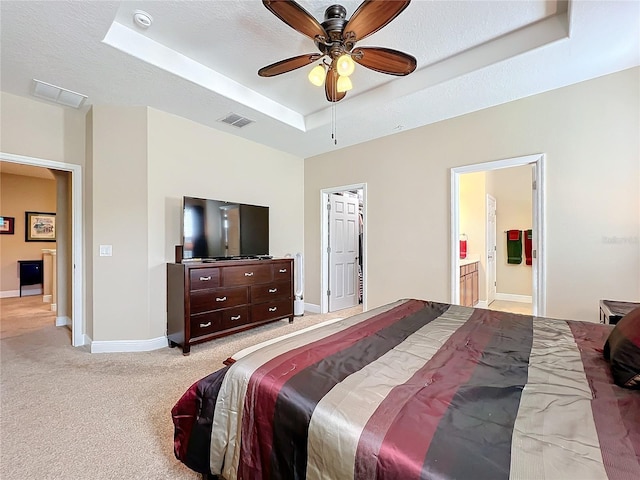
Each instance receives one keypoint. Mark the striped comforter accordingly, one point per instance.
(417, 390)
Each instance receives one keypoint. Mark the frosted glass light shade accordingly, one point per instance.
(344, 84)
(317, 75)
(345, 65)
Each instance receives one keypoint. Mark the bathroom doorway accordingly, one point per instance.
(487, 250)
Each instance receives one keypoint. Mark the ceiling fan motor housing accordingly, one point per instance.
(334, 23)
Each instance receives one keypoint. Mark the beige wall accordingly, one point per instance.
(38, 129)
(589, 134)
(120, 219)
(511, 187)
(20, 194)
(186, 158)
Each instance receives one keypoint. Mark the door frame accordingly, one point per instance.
(77, 300)
(495, 235)
(324, 242)
(539, 267)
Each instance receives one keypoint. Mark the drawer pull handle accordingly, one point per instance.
(248, 274)
(237, 317)
(273, 290)
(204, 325)
(283, 270)
(220, 299)
(205, 279)
(273, 309)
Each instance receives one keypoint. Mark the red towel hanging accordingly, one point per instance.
(513, 235)
(528, 244)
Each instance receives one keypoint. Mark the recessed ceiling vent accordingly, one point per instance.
(236, 120)
(57, 94)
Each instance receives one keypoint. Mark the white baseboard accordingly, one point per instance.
(311, 308)
(47, 298)
(63, 322)
(10, 293)
(511, 297)
(481, 304)
(113, 346)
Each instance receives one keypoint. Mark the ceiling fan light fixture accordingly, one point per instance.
(344, 84)
(345, 65)
(317, 75)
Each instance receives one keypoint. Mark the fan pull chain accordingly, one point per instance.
(334, 133)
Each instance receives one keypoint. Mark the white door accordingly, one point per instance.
(344, 228)
(491, 249)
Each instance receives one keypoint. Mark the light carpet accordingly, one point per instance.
(69, 414)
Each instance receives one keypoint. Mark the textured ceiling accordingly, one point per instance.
(199, 60)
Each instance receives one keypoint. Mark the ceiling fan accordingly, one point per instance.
(336, 37)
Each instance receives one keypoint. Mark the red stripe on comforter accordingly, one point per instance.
(257, 425)
(384, 440)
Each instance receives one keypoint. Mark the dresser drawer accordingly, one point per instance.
(234, 317)
(269, 310)
(282, 271)
(205, 300)
(270, 291)
(202, 278)
(246, 275)
(206, 323)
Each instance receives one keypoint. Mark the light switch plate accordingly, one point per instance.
(105, 250)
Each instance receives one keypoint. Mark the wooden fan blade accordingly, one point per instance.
(372, 15)
(331, 85)
(284, 66)
(296, 17)
(384, 60)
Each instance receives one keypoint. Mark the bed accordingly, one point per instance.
(416, 390)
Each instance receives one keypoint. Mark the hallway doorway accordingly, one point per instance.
(70, 246)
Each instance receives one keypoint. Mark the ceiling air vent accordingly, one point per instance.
(57, 94)
(236, 120)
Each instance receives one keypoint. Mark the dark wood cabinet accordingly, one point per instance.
(30, 272)
(211, 300)
(469, 291)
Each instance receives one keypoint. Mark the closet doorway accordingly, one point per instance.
(343, 247)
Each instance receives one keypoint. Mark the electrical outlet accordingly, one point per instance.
(105, 250)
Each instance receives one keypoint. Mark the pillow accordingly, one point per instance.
(622, 349)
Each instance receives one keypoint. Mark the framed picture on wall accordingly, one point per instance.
(40, 227)
(7, 225)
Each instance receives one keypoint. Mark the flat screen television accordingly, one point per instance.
(218, 229)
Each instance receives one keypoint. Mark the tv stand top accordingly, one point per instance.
(237, 257)
(255, 259)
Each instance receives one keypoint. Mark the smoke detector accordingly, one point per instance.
(142, 19)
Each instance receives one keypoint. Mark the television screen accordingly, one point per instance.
(219, 229)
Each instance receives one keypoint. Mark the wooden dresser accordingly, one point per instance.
(211, 300)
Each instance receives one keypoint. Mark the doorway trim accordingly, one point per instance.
(539, 267)
(77, 305)
(324, 242)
